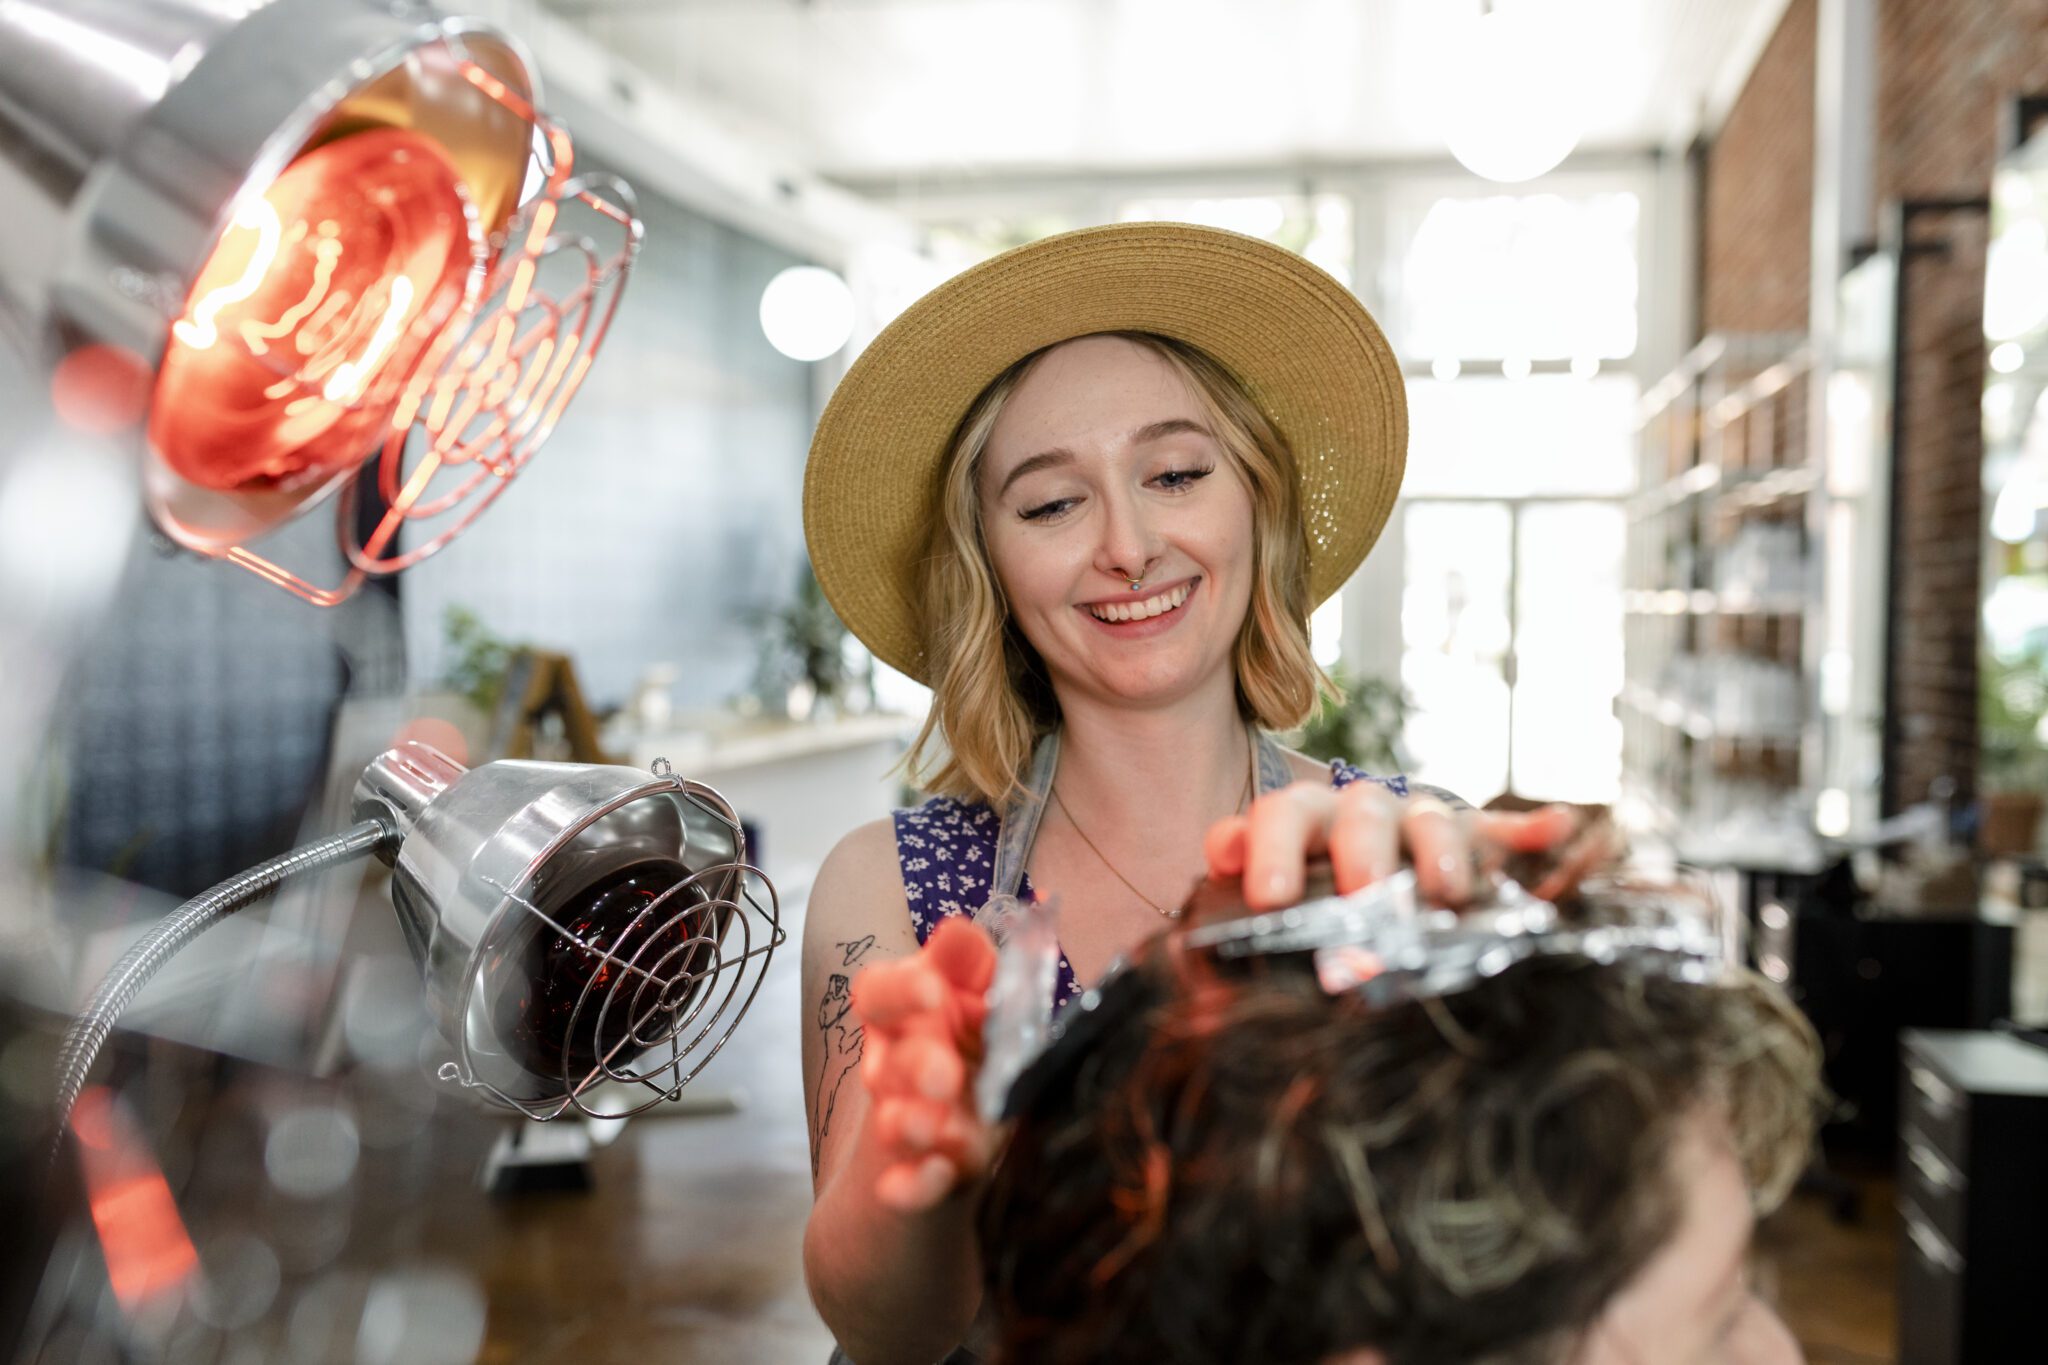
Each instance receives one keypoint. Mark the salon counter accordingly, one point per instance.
(800, 785)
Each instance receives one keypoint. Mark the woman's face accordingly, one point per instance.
(1101, 468)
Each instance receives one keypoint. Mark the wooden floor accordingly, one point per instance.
(1834, 1280)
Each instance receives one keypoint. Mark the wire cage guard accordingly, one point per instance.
(493, 381)
(656, 993)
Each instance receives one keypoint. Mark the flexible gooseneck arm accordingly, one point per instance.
(88, 1033)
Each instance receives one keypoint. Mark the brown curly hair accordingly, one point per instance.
(1246, 1169)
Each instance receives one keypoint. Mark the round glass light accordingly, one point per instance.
(1513, 107)
(807, 312)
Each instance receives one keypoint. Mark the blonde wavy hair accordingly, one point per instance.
(991, 697)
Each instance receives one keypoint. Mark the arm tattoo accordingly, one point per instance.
(843, 1038)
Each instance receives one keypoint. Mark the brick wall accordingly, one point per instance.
(1757, 228)
(1947, 70)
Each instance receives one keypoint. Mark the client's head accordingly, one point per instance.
(1558, 1167)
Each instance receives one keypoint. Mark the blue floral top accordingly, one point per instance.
(947, 847)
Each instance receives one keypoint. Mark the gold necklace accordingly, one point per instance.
(1157, 908)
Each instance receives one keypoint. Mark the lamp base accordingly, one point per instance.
(530, 1157)
(537, 1158)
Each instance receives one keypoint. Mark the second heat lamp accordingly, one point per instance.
(575, 924)
(588, 936)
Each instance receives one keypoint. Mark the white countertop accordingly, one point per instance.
(703, 754)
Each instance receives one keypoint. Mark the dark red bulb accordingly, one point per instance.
(551, 990)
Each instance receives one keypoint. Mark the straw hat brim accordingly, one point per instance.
(1305, 350)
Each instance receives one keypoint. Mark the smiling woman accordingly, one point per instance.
(1054, 509)
(1089, 492)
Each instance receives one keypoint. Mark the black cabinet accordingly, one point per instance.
(1973, 1199)
(1863, 977)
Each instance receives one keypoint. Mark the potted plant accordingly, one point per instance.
(1364, 728)
(808, 661)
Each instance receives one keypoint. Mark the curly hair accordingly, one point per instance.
(1247, 1169)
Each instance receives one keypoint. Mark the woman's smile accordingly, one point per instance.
(1131, 617)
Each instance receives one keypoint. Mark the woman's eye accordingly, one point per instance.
(1047, 511)
(1176, 480)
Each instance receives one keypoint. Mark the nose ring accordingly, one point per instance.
(1136, 583)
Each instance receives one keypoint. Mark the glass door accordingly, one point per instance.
(1511, 646)
(1456, 639)
(1565, 737)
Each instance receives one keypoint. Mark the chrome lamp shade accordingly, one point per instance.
(588, 935)
(284, 240)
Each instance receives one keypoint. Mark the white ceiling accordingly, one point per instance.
(873, 90)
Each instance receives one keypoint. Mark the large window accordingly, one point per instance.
(1516, 277)
(1518, 315)
(1547, 435)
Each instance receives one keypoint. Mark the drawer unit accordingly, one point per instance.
(1863, 978)
(1932, 1186)
(1973, 1199)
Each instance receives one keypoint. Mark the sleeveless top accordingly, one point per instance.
(953, 853)
(948, 850)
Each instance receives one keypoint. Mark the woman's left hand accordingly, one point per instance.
(1368, 833)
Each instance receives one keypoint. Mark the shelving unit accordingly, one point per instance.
(1719, 745)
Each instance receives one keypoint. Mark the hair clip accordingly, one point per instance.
(1384, 943)
(1019, 1026)
(1381, 943)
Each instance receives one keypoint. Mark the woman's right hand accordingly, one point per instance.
(922, 1017)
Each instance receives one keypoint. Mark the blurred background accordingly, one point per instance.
(1725, 324)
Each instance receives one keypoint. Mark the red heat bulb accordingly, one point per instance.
(299, 335)
(636, 967)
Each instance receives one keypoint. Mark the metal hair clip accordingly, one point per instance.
(1381, 943)
(1385, 944)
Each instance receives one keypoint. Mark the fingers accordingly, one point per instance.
(911, 1187)
(916, 1128)
(932, 1140)
(910, 1126)
(1365, 830)
(962, 953)
(1365, 836)
(922, 1018)
(1533, 831)
(1599, 846)
(1223, 846)
(915, 1051)
(888, 993)
(1286, 829)
(927, 1066)
(943, 988)
(1442, 847)
(936, 1148)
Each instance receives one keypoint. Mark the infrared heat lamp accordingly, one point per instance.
(310, 251)
(588, 936)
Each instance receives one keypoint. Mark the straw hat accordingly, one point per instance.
(1303, 347)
